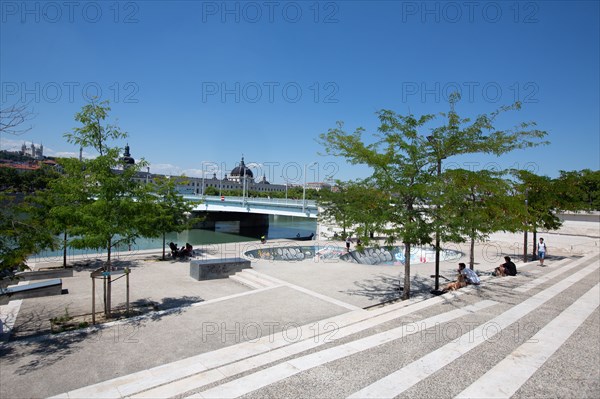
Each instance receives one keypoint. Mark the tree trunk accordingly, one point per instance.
(65, 249)
(108, 281)
(534, 246)
(406, 288)
(472, 254)
(525, 246)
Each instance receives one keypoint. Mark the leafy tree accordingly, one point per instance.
(94, 133)
(26, 181)
(579, 190)
(541, 202)
(406, 165)
(354, 205)
(112, 217)
(459, 136)
(399, 163)
(62, 203)
(338, 207)
(21, 233)
(476, 204)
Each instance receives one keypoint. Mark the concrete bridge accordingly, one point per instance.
(264, 206)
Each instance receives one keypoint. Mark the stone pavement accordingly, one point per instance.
(298, 329)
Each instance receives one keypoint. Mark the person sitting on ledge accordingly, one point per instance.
(174, 249)
(506, 269)
(186, 250)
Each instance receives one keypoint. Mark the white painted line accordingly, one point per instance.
(401, 380)
(256, 278)
(547, 277)
(246, 282)
(237, 358)
(505, 378)
(309, 292)
(8, 316)
(284, 370)
(185, 385)
(317, 334)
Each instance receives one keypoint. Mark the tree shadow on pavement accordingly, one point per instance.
(166, 307)
(47, 349)
(383, 288)
(42, 351)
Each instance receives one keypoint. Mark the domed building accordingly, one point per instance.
(127, 159)
(240, 172)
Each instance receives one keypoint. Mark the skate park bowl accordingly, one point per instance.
(366, 256)
(395, 255)
(297, 253)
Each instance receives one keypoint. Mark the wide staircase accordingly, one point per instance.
(533, 335)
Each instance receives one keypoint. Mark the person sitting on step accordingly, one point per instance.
(455, 285)
(506, 269)
(470, 276)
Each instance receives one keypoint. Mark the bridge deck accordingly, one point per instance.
(267, 206)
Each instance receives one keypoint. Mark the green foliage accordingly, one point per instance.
(355, 205)
(102, 203)
(166, 210)
(399, 163)
(540, 199)
(21, 233)
(26, 181)
(476, 204)
(94, 133)
(406, 168)
(579, 190)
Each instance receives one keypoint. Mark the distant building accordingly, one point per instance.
(127, 159)
(233, 181)
(198, 185)
(33, 151)
(318, 186)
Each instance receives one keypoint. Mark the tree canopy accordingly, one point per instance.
(405, 156)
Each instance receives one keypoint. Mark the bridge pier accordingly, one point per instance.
(245, 224)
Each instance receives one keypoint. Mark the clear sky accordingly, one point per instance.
(196, 84)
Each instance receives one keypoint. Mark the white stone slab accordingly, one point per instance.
(396, 383)
(506, 377)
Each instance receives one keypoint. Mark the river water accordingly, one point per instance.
(279, 227)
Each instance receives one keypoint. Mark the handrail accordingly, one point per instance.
(252, 200)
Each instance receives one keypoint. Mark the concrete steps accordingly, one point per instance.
(253, 280)
(414, 348)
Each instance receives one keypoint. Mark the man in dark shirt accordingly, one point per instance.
(506, 269)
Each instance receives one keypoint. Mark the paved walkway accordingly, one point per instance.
(300, 330)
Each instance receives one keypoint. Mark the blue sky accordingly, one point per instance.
(196, 84)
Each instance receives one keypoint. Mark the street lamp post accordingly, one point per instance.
(244, 184)
(526, 223)
(286, 188)
(304, 187)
